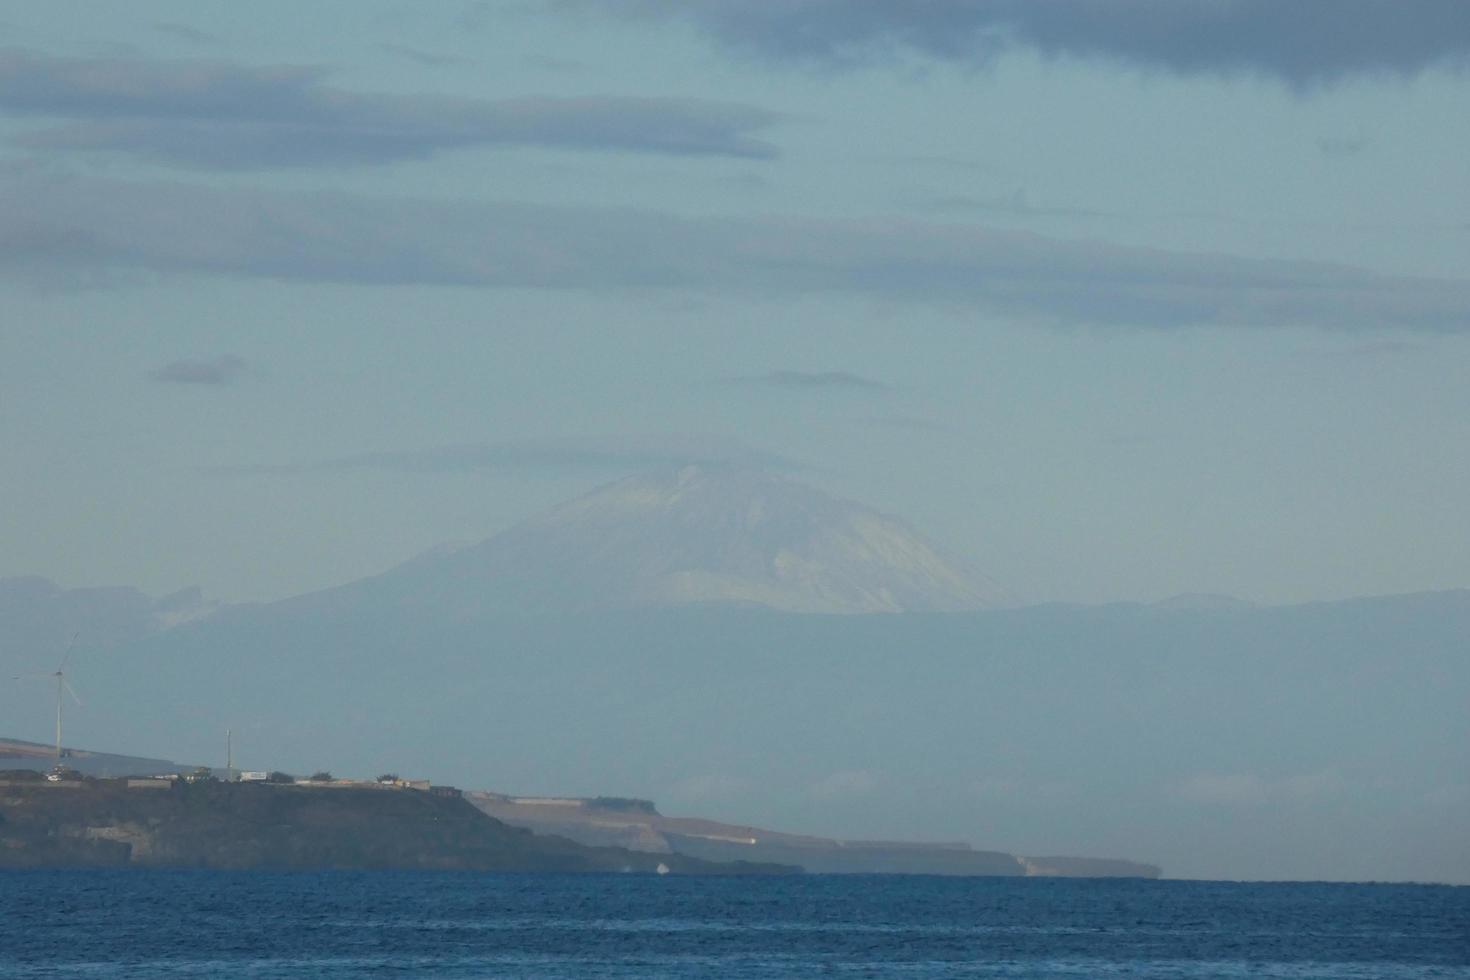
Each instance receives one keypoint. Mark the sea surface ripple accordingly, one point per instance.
(107, 924)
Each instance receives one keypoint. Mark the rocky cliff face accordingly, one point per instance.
(594, 821)
(110, 823)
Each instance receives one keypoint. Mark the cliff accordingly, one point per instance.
(155, 823)
(638, 826)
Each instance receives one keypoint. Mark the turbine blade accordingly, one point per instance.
(69, 648)
(67, 684)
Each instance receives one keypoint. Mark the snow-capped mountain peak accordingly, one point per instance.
(698, 535)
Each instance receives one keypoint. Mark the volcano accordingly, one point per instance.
(700, 535)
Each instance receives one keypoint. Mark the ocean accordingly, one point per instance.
(64, 924)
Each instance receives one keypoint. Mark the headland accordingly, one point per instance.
(162, 823)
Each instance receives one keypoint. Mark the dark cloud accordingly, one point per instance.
(830, 380)
(601, 453)
(1299, 41)
(59, 225)
(220, 116)
(221, 370)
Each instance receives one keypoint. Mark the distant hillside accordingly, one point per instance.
(38, 618)
(605, 821)
(1190, 737)
(16, 754)
(108, 823)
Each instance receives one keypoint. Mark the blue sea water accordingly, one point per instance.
(389, 924)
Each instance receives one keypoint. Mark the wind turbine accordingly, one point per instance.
(62, 684)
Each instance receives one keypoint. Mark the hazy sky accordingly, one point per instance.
(1117, 300)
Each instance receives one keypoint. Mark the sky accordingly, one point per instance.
(1116, 301)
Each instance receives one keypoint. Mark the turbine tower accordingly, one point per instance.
(63, 687)
(62, 683)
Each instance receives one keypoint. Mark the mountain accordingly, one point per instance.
(701, 535)
(1202, 602)
(1215, 738)
(39, 618)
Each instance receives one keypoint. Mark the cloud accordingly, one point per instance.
(1301, 42)
(221, 370)
(87, 227)
(418, 56)
(546, 62)
(905, 423)
(1228, 789)
(1017, 791)
(1448, 795)
(214, 115)
(1251, 789)
(1369, 351)
(814, 380)
(186, 33)
(710, 787)
(1012, 205)
(476, 17)
(845, 785)
(602, 453)
(1342, 146)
